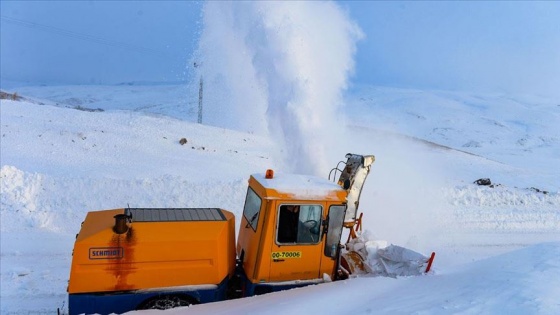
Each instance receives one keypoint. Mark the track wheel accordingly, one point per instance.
(165, 302)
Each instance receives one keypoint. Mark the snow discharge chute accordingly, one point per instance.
(352, 178)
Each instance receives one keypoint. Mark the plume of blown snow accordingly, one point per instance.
(278, 68)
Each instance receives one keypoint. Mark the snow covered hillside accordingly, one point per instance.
(69, 150)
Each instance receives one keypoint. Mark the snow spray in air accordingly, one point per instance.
(278, 69)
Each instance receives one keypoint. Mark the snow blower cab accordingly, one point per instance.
(292, 226)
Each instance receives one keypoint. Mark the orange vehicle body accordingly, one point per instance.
(151, 254)
(138, 258)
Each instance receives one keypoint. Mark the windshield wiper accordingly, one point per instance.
(252, 219)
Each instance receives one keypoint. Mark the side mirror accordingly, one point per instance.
(333, 227)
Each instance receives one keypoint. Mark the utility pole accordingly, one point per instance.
(200, 100)
(200, 92)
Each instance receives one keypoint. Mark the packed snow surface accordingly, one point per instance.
(497, 247)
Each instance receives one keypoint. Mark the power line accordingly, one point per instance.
(85, 37)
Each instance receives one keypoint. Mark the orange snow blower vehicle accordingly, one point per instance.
(289, 236)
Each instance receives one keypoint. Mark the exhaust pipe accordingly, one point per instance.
(121, 225)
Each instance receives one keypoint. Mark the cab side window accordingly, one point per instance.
(299, 224)
(252, 208)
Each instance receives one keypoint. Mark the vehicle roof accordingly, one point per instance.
(304, 187)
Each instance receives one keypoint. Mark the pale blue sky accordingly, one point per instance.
(493, 46)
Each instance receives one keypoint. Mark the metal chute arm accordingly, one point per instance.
(352, 179)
